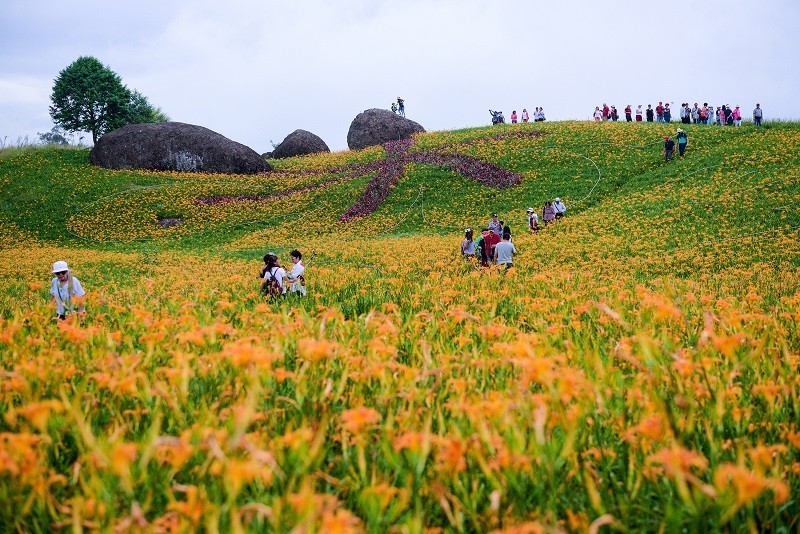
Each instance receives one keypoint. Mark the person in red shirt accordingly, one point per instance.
(660, 112)
(491, 240)
(628, 112)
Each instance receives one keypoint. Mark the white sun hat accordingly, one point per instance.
(60, 266)
(530, 210)
(558, 199)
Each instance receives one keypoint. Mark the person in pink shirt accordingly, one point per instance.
(525, 116)
(514, 117)
(737, 116)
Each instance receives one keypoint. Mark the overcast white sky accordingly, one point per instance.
(256, 70)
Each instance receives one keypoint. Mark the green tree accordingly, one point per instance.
(89, 97)
(141, 111)
(56, 136)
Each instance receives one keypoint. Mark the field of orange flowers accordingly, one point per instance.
(638, 368)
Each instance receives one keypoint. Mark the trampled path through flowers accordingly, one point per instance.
(388, 171)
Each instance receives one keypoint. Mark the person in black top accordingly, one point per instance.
(649, 113)
(669, 147)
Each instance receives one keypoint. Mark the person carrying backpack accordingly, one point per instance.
(272, 276)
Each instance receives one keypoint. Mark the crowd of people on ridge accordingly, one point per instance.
(705, 114)
(499, 118)
(495, 246)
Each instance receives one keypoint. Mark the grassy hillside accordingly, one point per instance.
(636, 369)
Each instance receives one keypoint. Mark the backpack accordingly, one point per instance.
(271, 287)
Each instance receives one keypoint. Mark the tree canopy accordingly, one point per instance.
(90, 97)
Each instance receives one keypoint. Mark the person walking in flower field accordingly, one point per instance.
(482, 246)
(504, 251)
(683, 140)
(669, 147)
(272, 277)
(559, 208)
(66, 291)
(468, 244)
(296, 276)
(533, 220)
(548, 213)
(495, 225)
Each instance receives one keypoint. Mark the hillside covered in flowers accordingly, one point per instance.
(637, 369)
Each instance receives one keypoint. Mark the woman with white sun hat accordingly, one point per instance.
(559, 208)
(66, 291)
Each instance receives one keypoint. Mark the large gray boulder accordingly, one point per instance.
(300, 143)
(174, 146)
(378, 126)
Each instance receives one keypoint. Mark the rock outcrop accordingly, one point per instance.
(174, 146)
(299, 143)
(378, 126)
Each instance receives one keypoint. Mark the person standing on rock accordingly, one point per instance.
(394, 107)
(401, 107)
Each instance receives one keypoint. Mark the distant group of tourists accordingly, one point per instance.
(705, 114)
(495, 246)
(499, 118)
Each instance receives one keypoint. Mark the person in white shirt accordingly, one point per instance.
(495, 225)
(559, 208)
(66, 291)
(468, 244)
(296, 275)
(504, 251)
(533, 220)
(272, 276)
